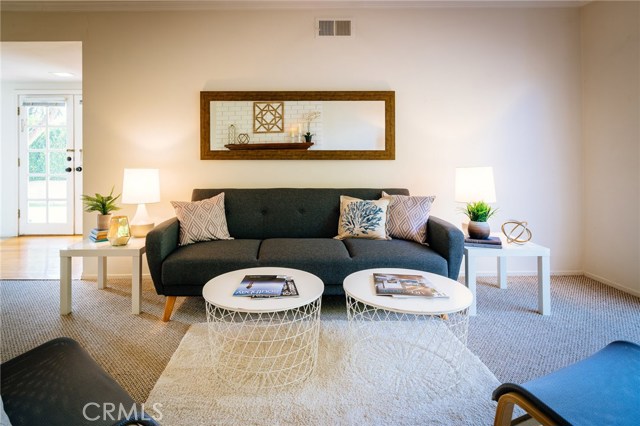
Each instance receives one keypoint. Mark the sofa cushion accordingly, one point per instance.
(325, 258)
(362, 218)
(195, 264)
(368, 254)
(407, 216)
(202, 220)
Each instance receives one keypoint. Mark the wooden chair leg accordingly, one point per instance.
(168, 307)
(504, 410)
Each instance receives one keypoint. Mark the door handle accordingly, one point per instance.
(68, 169)
(78, 169)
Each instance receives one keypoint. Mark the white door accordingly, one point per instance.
(50, 163)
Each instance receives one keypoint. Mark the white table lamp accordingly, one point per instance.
(475, 184)
(141, 187)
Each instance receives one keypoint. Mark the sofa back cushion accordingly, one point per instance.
(287, 212)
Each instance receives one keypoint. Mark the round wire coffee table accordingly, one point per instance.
(402, 333)
(263, 343)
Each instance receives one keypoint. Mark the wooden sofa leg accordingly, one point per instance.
(168, 307)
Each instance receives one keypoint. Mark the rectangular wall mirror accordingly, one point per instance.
(345, 125)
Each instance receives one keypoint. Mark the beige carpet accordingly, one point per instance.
(515, 342)
(392, 387)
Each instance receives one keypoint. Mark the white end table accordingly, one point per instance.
(263, 343)
(86, 248)
(511, 250)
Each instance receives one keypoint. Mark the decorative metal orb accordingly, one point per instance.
(516, 231)
(243, 138)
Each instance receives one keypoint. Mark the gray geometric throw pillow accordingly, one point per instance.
(203, 220)
(408, 216)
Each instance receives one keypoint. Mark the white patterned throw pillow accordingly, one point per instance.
(362, 219)
(408, 216)
(202, 220)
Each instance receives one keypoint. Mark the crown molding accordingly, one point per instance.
(186, 5)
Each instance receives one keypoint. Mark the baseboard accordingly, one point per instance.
(492, 273)
(94, 277)
(612, 284)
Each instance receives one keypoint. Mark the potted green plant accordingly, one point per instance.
(308, 136)
(478, 213)
(103, 204)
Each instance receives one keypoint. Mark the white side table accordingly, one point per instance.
(86, 248)
(511, 250)
(266, 343)
(431, 333)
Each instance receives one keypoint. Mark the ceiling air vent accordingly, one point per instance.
(334, 28)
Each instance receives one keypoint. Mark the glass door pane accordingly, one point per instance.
(46, 141)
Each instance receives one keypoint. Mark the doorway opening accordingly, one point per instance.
(41, 84)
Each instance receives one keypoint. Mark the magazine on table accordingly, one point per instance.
(403, 285)
(266, 286)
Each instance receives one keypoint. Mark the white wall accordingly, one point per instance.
(611, 134)
(489, 86)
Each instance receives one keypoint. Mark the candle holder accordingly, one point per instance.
(119, 232)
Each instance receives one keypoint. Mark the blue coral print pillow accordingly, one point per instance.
(362, 218)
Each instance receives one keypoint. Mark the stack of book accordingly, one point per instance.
(491, 242)
(98, 235)
(266, 286)
(403, 285)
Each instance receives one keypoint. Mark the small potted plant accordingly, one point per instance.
(102, 204)
(478, 213)
(308, 136)
(309, 118)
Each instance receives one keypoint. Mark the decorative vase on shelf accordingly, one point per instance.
(103, 221)
(479, 230)
(119, 232)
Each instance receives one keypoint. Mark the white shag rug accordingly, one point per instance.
(387, 390)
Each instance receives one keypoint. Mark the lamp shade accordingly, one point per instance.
(475, 184)
(141, 186)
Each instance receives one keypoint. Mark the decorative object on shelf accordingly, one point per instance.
(243, 138)
(295, 132)
(141, 187)
(119, 232)
(309, 118)
(268, 117)
(104, 205)
(516, 231)
(307, 137)
(269, 146)
(231, 134)
(475, 186)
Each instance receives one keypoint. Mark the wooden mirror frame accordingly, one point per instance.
(290, 154)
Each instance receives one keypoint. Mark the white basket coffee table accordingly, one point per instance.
(388, 332)
(263, 343)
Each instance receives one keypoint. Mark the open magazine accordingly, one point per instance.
(266, 286)
(401, 285)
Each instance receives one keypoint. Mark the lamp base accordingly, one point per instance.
(141, 230)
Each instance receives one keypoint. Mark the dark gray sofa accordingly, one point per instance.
(291, 227)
